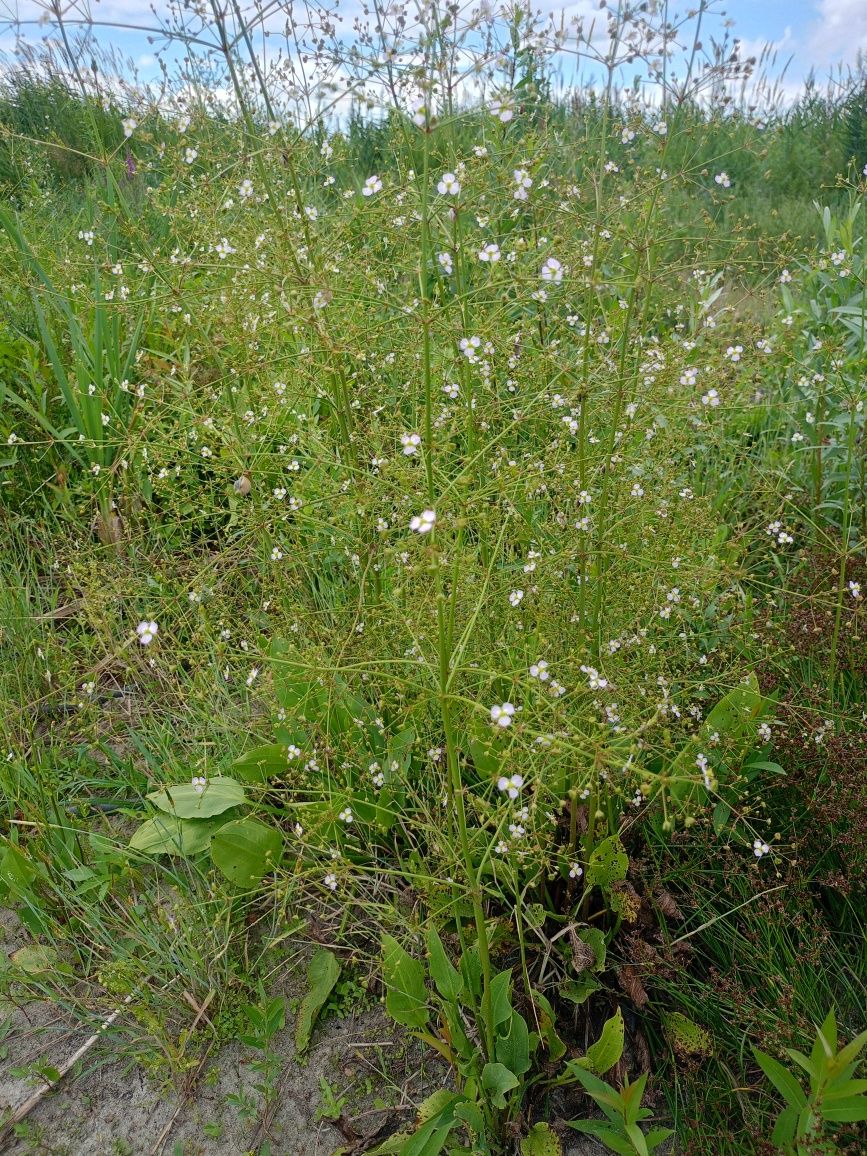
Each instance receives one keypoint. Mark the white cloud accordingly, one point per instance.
(838, 34)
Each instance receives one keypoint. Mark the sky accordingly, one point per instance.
(808, 35)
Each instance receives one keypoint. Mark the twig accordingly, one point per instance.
(24, 1110)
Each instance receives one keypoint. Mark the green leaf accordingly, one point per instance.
(406, 995)
(167, 835)
(636, 1136)
(606, 1051)
(657, 1136)
(608, 863)
(444, 974)
(497, 1080)
(471, 970)
(781, 1078)
(721, 815)
(471, 1115)
(785, 1127)
(595, 939)
(262, 763)
(850, 1111)
(579, 990)
(35, 959)
(322, 975)
(434, 1105)
(604, 1132)
(501, 1003)
(513, 1048)
(400, 750)
(735, 711)
(185, 801)
(541, 1141)
(852, 1050)
(547, 1026)
(245, 850)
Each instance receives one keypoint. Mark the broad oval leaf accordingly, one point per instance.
(168, 835)
(245, 850)
(406, 995)
(186, 802)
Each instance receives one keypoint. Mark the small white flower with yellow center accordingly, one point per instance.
(198, 783)
(502, 713)
(448, 185)
(510, 785)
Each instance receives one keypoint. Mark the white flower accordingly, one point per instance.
(723, 180)
(190, 155)
(345, 815)
(445, 261)
(371, 185)
(540, 670)
(199, 782)
(516, 597)
(523, 182)
(510, 785)
(760, 848)
(147, 632)
(424, 522)
(330, 881)
(785, 277)
(419, 112)
(764, 732)
(855, 589)
(223, 249)
(594, 680)
(710, 398)
(552, 270)
(502, 714)
(490, 253)
(129, 125)
(502, 108)
(245, 189)
(410, 443)
(448, 185)
(575, 870)
(276, 554)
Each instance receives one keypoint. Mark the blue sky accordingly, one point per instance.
(815, 34)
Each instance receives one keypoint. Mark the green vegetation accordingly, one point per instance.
(440, 538)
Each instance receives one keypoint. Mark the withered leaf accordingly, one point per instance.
(583, 955)
(667, 905)
(629, 980)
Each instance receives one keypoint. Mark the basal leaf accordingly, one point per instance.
(246, 850)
